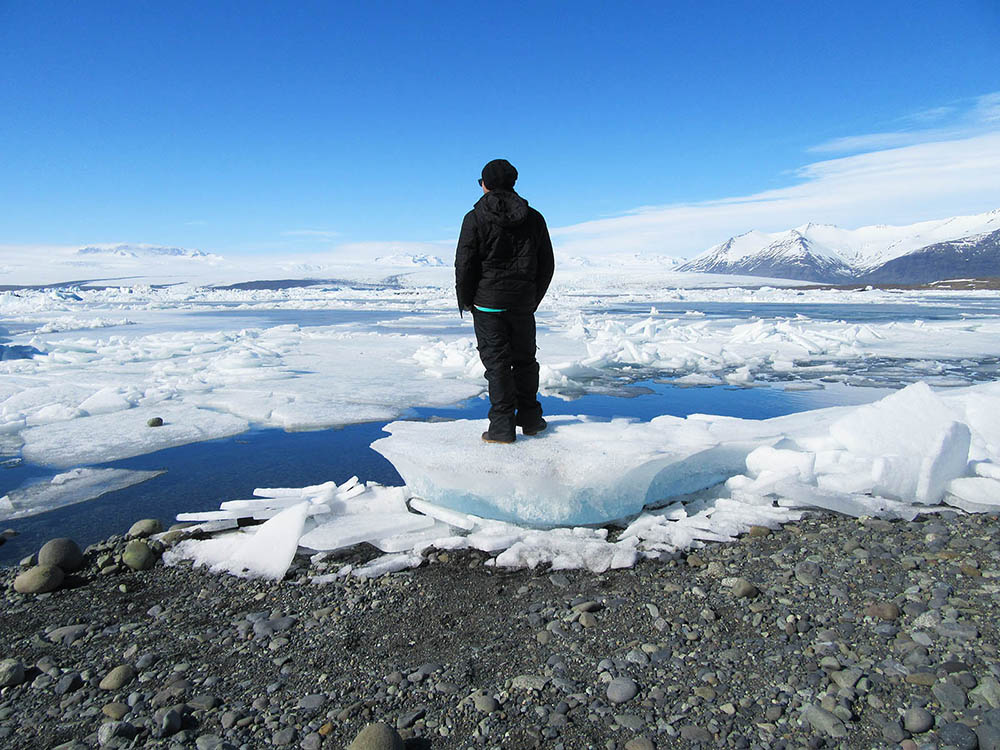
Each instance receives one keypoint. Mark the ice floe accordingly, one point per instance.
(89, 352)
(70, 487)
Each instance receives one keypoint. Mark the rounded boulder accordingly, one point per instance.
(377, 736)
(63, 553)
(118, 677)
(39, 580)
(138, 555)
(11, 672)
(145, 527)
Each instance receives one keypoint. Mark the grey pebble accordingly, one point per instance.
(622, 690)
(68, 683)
(313, 701)
(949, 695)
(917, 720)
(485, 703)
(807, 573)
(144, 528)
(743, 589)
(824, 721)
(408, 719)
(629, 721)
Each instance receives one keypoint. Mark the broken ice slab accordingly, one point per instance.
(387, 564)
(579, 472)
(797, 495)
(981, 491)
(448, 516)
(947, 459)
(265, 552)
(334, 532)
(986, 469)
(211, 515)
(414, 539)
(914, 440)
(297, 492)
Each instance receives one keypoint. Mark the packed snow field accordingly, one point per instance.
(85, 369)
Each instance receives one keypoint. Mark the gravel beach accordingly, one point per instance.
(831, 632)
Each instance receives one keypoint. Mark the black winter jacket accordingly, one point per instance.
(504, 257)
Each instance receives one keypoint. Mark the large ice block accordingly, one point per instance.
(579, 471)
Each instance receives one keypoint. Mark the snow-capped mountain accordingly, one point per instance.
(419, 260)
(141, 251)
(894, 254)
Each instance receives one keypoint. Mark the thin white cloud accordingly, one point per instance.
(897, 185)
(934, 114)
(961, 120)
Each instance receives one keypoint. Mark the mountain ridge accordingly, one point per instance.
(880, 252)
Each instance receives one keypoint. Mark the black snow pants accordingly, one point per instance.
(506, 342)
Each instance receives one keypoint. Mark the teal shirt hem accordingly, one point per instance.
(491, 309)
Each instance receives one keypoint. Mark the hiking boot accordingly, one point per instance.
(489, 437)
(535, 427)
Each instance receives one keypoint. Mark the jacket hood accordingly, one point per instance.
(503, 207)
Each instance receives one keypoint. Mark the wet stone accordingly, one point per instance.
(959, 736)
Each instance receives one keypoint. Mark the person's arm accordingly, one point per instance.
(546, 262)
(467, 263)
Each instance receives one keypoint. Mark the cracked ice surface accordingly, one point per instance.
(714, 478)
(217, 361)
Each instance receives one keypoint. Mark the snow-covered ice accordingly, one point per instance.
(83, 369)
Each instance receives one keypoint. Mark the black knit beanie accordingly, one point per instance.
(499, 174)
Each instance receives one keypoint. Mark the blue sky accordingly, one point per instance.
(266, 127)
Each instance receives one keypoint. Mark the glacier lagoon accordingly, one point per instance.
(228, 369)
(276, 458)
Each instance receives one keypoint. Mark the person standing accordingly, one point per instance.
(503, 267)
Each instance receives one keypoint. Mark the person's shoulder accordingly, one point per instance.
(535, 215)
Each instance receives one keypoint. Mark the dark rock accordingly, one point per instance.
(68, 683)
(11, 672)
(958, 735)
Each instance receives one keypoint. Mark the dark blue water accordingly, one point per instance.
(201, 475)
(931, 307)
